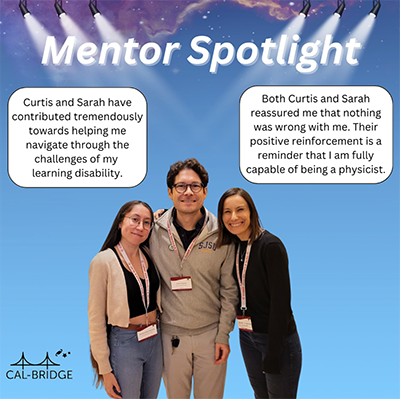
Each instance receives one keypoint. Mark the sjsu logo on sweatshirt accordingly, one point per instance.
(207, 246)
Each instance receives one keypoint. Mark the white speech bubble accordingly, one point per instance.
(77, 137)
(316, 134)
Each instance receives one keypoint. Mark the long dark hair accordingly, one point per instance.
(224, 236)
(113, 238)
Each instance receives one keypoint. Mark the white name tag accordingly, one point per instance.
(147, 332)
(181, 283)
(244, 323)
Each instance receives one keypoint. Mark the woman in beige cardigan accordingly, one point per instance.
(123, 324)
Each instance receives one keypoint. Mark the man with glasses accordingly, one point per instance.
(199, 294)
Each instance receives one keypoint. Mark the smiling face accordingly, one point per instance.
(187, 203)
(236, 216)
(132, 235)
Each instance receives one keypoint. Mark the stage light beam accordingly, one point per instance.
(93, 8)
(340, 8)
(376, 7)
(306, 8)
(24, 7)
(59, 9)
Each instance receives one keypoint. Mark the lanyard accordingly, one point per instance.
(190, 247)
(139, 281)
(242, 282)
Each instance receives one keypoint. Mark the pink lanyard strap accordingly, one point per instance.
(242, 282)
(134, 272)
(189, 250)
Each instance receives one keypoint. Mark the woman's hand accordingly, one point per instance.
(111, 386)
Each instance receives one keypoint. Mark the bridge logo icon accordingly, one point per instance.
(46, 362)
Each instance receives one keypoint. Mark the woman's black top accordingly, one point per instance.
(135, 302)
(268, 294)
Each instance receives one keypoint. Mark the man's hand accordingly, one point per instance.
(110, 382)
(221, 353)
(158, 213)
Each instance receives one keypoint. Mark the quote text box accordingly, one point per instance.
(316, 134)
(77, 137)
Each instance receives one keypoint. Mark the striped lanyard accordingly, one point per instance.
(242, 281)
(138, 279)
(190, 247)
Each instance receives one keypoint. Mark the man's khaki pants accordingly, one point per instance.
(194, 357)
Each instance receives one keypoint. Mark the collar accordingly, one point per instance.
(199, 223)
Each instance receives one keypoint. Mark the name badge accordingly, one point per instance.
(181, 283)
(244, 323)
(147, 332)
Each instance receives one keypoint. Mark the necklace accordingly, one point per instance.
(242, 251)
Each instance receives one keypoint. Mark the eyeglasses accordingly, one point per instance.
(182, 187)
(147, 225)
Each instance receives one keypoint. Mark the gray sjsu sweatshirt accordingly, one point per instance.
(214, 296)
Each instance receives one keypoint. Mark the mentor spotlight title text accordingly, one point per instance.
(284, 52)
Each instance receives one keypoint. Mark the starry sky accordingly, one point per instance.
(160, 20)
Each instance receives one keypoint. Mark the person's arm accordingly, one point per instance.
(229, 299)
(97, 313)
(276, 260)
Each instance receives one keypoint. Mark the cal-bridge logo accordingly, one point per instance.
(47, 369)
